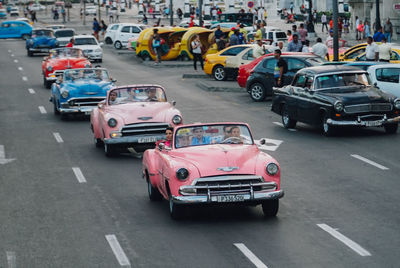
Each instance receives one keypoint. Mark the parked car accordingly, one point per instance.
(91, 10)
(334, 96)
(42, 41)
(15, 29)
(215, 163)
(215, 63)
(126, 31)
(80, 91)
(63, 36)
(386, 77)
(90, 47)
(271, 33)
(60, 59)
(352, 53)
(133, 117)
(55, 26)
(111, 31)
(3, 13)
(261, 80)
(394, 58)
(36, 7)
(14, 12)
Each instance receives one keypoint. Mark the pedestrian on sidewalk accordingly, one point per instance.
(306, 47)
(63, 14)
(96, 28)
(179, 13)
(196, 51)
(111, 16)
(289, 36)
(33, 16)
(360, 30)
(346, 23)
(291, 7)
(324, 22)
(367, 29)
(303, 33)
(357, 23)
(315, 17)
(372, 50)
(388, 30)
(294, 30)
(103, 28)
(379, 35)
(385, 51)
(295, 45)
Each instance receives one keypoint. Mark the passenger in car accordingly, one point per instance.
(199, 138)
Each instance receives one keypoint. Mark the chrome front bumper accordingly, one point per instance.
(361, 122)
(134, 139)
(248, 197)
(82, 109)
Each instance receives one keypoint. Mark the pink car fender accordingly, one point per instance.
(262, 159)
(94, 119)
(150, 167)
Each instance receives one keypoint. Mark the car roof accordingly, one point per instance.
(387, 65)
(64, 29)
(363, 63)
(15, 21)
(83, 36)
(326, 69)
(43, 29)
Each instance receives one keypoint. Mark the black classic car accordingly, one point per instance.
(334, 96)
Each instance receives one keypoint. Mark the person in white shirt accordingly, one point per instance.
(385, 51)
(320, 49)
(372, 50)
(258, 50)
(324, 22)
(306, 47)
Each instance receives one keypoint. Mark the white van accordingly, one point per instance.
(126, 31)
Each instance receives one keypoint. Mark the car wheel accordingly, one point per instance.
(29, 53)
(175, 210)
(55, 109)
(146, 57)
(25, 36)
(270, 207)
(109, 150)
(98, 142)
(108, 41)
(154, 194)
(117, 45)
(391, 128)
(100, 60)
(219, 73)
(327, 129)
(257, 92)
(286, 120)
(46, 84)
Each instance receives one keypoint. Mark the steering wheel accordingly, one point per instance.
(231, 140)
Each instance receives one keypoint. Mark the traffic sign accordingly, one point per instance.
(396, 7)
(250, 4)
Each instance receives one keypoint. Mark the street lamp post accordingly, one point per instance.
(201, 13)
(335, 31)
(171, 13)
(310, 25)
(378, 17)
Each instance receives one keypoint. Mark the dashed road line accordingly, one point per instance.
(20, 68)
(359, 157)
(250, 255)
(281, 125)
(12, 55)
(118, 251)
(79, 175)
(345, 240)
(11, 259)
(42, 110)
(58, 137)
(9, 51)
(31, 90)
(16, 61)
(25, 78)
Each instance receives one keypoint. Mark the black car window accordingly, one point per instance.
(269, 64)
(114, 27)
(233, 51)
(394, 56)
(299, 80)
(125, 29)
(270, 35)
(294, 65)
(248, 55)
(136, 29)
(280, 35)
(390, 75)
(356, 53)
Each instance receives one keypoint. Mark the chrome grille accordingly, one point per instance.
(366, 108)
(88, 50)
(144, 129)
(85, 101)
(228, 184)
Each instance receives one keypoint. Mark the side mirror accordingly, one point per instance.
(161, 146)
(376, 85)
(262, 141)
(101, 44)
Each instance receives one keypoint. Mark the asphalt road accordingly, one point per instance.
(338, 211)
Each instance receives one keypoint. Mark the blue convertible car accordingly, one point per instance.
(15, 29)
(78, 91)
(42, 41)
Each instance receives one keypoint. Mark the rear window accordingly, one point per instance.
(390, 75)
(85, 41)
(66, 33)
(233, 51)
(280, 35)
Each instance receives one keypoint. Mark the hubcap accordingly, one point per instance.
(325, 126)
(285, 118)
(256, 92)
(118, 45)
(219, 73)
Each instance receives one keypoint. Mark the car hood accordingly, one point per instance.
(210, 159)
(43, 40)
(87, 88)
(356, 95)
(68, 63)
(141, 112)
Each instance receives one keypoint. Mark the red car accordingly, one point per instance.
(244, 70)
(61, 59)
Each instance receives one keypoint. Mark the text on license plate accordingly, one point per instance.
(230, 198)
(147, 139)
(373, 123)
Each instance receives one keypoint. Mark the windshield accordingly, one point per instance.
(66, 52)
(85, 41)
(341, 80)
(280, 35)
(48, 33)
(84, 74)
(64, 33)
(212, 134)
(137, 94)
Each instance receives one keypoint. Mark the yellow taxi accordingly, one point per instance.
(352, 53)
(394, 58)
(215, 63)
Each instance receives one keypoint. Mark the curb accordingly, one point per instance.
(195, 76)
(204, 86)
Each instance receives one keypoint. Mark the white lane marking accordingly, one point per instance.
(16, 61)
(270, 144)
(78, 174)
(345, 240)
(118, 251)
(359, 157)
(31, 90)
(58, 137)
(3, 159)
(20, 68)
(253, 258)
(42, 110)
(25, 78)
(12, 55)
(9, 51)
(11, 259)
(281, 125)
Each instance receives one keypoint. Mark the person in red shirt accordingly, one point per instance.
(191, 24)
(71, 43)
(331, 24)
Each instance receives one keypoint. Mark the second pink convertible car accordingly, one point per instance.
(133, 118)
(212, 163)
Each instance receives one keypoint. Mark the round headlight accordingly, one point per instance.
(112, 122)
(88, 65)
(65, 94)
(338, 106)
(397, 103)
(182, 174)
(272, 169)
(50, 68)
(177, 119)
(98, 50)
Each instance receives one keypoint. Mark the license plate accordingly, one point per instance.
(147, 139)
(230, 198)
(87, 112)
(373, 123)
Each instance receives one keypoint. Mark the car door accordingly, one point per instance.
(306, 105)
(388, 80)
(294, 65)
(136, 31)
(124, 34)
(241, 58)
(162, 170)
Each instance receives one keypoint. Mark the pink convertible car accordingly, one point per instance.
(133, 118)
(212, 163)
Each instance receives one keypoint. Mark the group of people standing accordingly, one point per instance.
(363, 30)
(99, 27)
